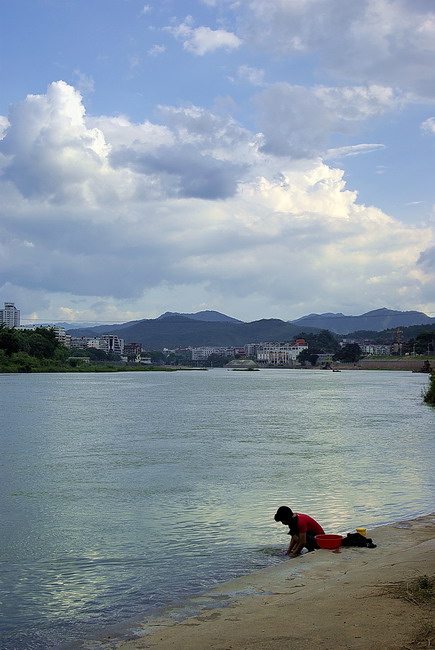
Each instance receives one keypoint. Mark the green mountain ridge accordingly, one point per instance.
(181, 331)
(374, 321)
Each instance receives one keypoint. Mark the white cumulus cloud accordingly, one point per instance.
(429, 125)
(102, 213)
(203, 40)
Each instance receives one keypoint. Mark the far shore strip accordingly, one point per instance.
(324, 600)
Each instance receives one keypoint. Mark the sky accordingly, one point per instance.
(261, 158)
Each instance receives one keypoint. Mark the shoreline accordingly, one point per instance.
(324, 600)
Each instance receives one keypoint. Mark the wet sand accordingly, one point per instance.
(326, 600)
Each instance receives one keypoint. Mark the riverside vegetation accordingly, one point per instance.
(429, 396)
(39, 351)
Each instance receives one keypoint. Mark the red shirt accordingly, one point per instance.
(309, 525)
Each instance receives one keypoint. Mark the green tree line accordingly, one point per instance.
(39, 350)
(40, 343)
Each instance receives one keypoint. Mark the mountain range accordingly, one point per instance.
(173, 329)
(182, 331)
(375, 321)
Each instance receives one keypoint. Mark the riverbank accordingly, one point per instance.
(397, 363)
(346, 600)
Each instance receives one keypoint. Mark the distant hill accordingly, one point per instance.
(181, 331)
(207, 315)
(100, 329)
(374, 321)
(390, 335)
(70, 326)
(89, 330)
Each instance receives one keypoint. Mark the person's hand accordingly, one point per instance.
(293, 554)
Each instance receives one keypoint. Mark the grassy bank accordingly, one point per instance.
(429, 396)
(25, 363)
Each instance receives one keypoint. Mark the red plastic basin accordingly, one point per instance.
(328, 541)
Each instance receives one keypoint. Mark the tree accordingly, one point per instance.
(349, 353)
(429, 396)
(95, 354)
(216, 360)
(424, 343)
(308, 356)
(9, 340)
(320, 343)
(43, 343)
(157, 357)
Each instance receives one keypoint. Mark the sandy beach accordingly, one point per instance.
(328, 600)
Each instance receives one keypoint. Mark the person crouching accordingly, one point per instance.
(302, 529)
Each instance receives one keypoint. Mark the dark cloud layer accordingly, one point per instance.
(183, 171)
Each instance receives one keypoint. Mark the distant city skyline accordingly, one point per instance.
(238, 157)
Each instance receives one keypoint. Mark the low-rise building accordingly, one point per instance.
(280, 354)
(133, 351)
(203, 353)
(373, 349)
(106, 342)
(79, 342)
(97, 344)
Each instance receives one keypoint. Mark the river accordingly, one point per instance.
(124, 493)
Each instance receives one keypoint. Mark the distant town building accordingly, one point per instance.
(373, 349)
(251, 349)
(133, 351)
(115, 344)
(60, 332)
(79, 342)
(62, 336)
(106, 342)
(10, 315)
(280, 354)
(202, 354)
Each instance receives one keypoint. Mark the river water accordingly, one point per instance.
(123, 493)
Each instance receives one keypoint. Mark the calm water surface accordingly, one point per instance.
(123, 493)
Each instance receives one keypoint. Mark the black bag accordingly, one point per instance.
(355, 539)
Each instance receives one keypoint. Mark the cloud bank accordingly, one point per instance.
(100, 214)
(385, 42)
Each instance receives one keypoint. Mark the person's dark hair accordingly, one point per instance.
(285, 514)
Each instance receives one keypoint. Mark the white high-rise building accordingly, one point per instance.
(10, 315)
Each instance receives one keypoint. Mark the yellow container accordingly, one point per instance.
(362, 531)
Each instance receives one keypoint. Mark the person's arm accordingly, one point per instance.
(293, 542)
(295, 549)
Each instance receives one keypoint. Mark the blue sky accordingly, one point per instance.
(263, 158)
